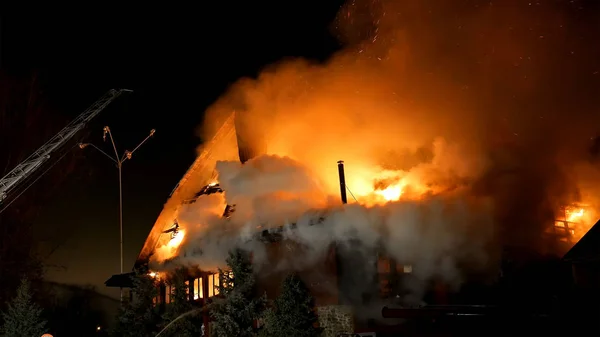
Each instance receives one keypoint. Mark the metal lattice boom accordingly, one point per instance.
(26, 168)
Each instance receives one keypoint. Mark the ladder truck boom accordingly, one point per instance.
(26, 168)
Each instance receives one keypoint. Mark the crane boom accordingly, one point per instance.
(22, 171)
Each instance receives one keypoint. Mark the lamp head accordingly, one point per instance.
(105, 131)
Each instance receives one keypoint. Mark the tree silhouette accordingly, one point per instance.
(23, 317)
(236, 313)
(140, 317)
(293, 311)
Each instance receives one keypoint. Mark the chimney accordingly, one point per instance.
(342, 181)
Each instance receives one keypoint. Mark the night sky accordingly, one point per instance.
(178, 60)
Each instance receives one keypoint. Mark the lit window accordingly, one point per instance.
(168, 291)
(213, 285)
(229, 275)
(407, 268)
(198, 288)
(187, 288)
(226, 278)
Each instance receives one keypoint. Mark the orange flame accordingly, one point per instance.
(171, 247)
(574, 216)
(176, 239)
(578, 219)
(391, 193)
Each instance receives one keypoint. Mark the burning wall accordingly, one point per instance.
(450, 151)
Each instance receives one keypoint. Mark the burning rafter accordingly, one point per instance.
(572, 222)
(173, 230)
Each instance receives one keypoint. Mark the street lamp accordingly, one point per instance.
(118, 160)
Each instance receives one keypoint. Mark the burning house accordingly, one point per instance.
(444, 190)
(163, 242)
(356, 280)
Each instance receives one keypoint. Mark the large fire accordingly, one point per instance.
(374, 185)
(368, 186)
(406, 126)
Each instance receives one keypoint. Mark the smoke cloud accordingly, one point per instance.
(478, 111)
(434, 233)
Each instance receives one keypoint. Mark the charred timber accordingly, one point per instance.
(206, 190)
(276, 234)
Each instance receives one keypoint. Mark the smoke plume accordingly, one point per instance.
(476, 113)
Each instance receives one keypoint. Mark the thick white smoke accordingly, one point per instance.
(435, 234)
(269, 190)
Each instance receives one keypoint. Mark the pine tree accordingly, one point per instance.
(139, 317)
(293, 312)
(234, 314)
(191, 324)
(23, 317)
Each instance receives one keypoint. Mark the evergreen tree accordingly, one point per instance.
(189, 325)
(293, 312)
(23, 317)
(140, 317)
(237, 309)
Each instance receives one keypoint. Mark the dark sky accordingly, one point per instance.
(177, 59)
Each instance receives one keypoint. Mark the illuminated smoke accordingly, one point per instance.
(448, 107)
(439, 234)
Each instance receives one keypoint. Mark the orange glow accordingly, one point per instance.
(367, 177)
(169, 248)
(156, 275)
(198, 288)
(404, 131)
(579, 219)
(574, 216)
(176, 239)
(391, 193)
